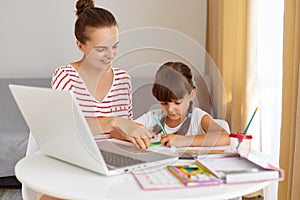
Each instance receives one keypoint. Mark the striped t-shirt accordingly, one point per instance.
(117, 102)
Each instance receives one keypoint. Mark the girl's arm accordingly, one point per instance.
(214, 135)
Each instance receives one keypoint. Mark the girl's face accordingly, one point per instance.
(101, 48)
(177, 109)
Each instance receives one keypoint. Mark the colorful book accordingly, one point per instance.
(193, 175)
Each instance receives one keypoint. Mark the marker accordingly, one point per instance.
(154, 144)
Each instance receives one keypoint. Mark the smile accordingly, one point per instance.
(107, 62)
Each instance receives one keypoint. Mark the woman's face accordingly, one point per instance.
(101, 47)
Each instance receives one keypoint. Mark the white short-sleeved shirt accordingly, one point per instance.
(195, 128)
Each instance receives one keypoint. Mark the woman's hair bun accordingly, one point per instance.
(81, 5)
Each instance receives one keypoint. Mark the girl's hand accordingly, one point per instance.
(175, 140)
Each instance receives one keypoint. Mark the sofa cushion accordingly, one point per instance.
(13, 129)
(13, 145)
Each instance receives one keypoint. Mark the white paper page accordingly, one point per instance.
(229, 164)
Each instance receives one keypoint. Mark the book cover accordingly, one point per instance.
(239, 169)
(193, 175)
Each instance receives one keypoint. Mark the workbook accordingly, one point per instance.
(164, 178)
(157, 179)
(193, 175)
(238, 169)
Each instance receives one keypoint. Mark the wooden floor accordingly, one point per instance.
(1, 191)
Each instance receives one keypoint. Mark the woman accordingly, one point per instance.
(102, 91)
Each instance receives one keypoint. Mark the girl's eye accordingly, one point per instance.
(178, 101)
(115, 46)
(164, 103)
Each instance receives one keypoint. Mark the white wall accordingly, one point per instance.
(37, 35)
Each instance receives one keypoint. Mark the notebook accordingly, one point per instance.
(61, 131)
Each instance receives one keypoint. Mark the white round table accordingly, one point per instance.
(56, 178)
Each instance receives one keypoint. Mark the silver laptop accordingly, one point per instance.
(61, 131)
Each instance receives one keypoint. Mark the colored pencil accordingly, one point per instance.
(161, 127)
(247, 127)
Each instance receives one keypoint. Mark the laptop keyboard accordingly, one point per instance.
(117, 160)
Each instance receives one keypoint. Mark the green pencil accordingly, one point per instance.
(247, 127)
(159, 124)
(161, 127)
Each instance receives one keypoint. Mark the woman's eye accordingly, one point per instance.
(100, 50)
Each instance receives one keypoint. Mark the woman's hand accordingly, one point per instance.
(131, 131)
(123, 129)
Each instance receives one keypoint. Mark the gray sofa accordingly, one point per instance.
(13, 129)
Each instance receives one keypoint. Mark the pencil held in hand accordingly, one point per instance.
(159, 124)
(161, 128)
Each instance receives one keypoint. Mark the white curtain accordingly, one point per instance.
(265, 56)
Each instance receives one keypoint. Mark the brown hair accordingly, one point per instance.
(173, 81)
(91, 16)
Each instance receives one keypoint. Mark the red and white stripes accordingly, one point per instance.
(118, 101)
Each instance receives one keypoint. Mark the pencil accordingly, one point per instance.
(161, 127)
(159, 124)
(247, 127)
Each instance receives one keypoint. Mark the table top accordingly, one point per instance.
(56, 178)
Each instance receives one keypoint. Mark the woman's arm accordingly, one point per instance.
(121, 128)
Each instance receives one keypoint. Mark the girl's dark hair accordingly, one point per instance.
(173, 81)
(91, 16)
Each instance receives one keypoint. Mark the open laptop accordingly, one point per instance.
(61, 131)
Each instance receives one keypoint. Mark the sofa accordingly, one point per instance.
(14, 131)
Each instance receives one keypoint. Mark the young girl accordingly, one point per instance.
(184, 124)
